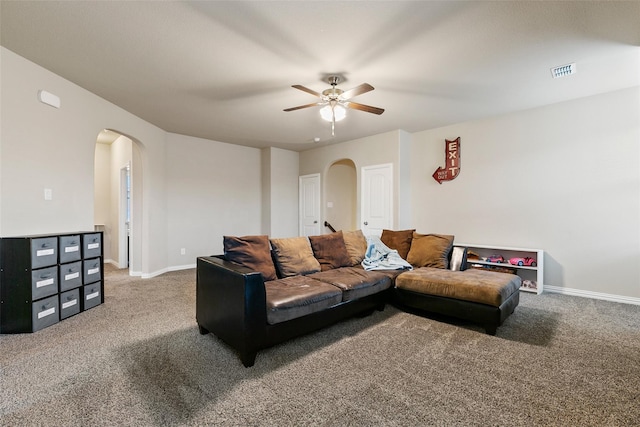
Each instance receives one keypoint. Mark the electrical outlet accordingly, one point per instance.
(183, 251)
(48, 194)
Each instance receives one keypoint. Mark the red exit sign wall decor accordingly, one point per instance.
(452, 162)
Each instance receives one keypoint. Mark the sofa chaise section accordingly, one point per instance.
(481, 296)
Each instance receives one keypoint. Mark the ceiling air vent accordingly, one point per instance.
(563, 70)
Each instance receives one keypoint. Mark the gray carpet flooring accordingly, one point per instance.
(138, 360)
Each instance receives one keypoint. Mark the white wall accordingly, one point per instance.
(121, 157)
(403, 174)
(213, 189)
(283, 193)
(44, 147)
(102, 195)
(563, 178)
(265, 164)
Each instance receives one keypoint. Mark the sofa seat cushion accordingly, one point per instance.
(391, 274)
(474, 285)
(297, 296)
(354, 282)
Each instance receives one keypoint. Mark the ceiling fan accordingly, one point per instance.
(335, 101)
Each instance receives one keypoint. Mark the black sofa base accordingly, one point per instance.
(281, 332)
(488, 316)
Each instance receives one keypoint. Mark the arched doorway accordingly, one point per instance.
(341, 195)
(117, 199)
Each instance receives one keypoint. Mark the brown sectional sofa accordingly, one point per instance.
(262, 292)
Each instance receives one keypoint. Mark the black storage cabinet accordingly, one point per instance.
(43, 279)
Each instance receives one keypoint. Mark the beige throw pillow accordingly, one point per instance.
(294, 256)
(356, 245)
(430, 250)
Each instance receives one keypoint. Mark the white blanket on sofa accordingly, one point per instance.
(380, 257)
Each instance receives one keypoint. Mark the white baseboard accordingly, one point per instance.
(182, 267)
(166, 270)
(590, 294)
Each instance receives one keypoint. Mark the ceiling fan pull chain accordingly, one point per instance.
(333, 124)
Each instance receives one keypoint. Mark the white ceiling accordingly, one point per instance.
(224, 70)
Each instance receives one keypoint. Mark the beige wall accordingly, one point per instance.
(374, 150)
(101, 195)
(341, 193)
(121, 156)
(281, 177)
(213, 189)
(563, 178)
(44, 147)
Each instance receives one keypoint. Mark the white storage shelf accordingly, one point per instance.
(532, 277)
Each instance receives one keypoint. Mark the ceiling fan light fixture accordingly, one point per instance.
(327, 114)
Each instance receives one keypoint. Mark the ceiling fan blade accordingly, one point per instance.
(362, 107)
(358, 90)
(299, 107)
(306, 89)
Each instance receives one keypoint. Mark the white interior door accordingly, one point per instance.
(377, 199)
(309, 196)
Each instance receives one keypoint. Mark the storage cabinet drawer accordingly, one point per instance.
(70, 248)
(70, 276)
(69, 303)
(91, 296)
(45, 312)
(44, 282)
(44, 252)
(92, 245)
(91, 270)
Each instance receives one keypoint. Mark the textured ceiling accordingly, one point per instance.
(224, 70)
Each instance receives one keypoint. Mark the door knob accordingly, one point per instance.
(366, 223)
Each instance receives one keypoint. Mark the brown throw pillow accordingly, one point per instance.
(356, 245)
(252, 252)
(330, 251)
(400, 240)
(430, 250)
(293, 256)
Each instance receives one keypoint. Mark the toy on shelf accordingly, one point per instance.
(526, 261)
(495, 258)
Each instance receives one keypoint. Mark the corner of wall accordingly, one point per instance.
(404, 179)
(265, 174)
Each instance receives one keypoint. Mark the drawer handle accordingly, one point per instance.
(45, 276)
